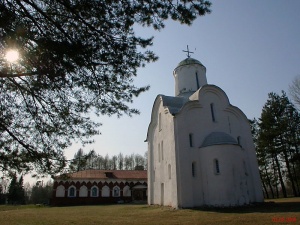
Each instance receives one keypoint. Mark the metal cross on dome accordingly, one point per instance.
(188, 51)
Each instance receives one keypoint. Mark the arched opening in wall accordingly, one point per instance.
(94, 192)
(72, 191)
(159, 154)
(105, 191)
(60, 191)
(212, 111)
(126, 191)
(162, 194)
(194, 169)
(197, 81)
(83, 191)
(116, 191)
(159, 122)
(191, 140)
(162, 150)
(169, 171)
(216, 166)
(139, 192)
(239, 140)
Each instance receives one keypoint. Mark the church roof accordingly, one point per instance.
(106, 174)
(218, 138)
(189, 61)
(174, 104)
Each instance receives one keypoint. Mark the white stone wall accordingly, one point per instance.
(231, 186)
(162, 162)
(196, 119)
(185, 78)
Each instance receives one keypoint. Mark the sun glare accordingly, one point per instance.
(12, 56)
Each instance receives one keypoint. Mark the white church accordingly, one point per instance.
(200, 148)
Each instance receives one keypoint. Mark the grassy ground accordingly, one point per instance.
(281, 211)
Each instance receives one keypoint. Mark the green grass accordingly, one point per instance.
(281, 209)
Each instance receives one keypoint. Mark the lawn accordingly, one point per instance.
(281, 211)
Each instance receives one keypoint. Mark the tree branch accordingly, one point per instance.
(7, 75)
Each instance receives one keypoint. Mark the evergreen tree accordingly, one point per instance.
(277, 144)
(41, 193)
(16, 192)
(79, 161)
(262, 159)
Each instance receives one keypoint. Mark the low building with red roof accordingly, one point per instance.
(100, 187)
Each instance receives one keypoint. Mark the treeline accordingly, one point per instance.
(91, 160)
(17, 193)
(276, 135)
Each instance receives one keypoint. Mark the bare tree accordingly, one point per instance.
(294, 90)
(120, 161)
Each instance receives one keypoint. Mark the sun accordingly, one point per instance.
(12, 55)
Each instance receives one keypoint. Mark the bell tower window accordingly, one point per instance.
(197, 81)
(212, 110)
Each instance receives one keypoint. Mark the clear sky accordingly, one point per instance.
(249, 48)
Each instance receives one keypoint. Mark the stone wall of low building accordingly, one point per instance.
(132, 193)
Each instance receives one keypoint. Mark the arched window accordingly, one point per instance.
(105, 191)
(126, 191)
(83, 191)
(60, 191)
(94, 191)
(194, 169)
(191, 140)
(239, 140)
(116, 191)
(162, 150)
(159, 155)
(217, 166)
(212, 110)
(72, 191)
(169, 171)
(159, 122)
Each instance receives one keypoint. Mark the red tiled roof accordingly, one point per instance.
(108, 174)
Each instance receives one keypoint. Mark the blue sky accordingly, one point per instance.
(250, 48)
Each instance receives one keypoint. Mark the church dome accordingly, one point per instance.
(218, 138)
(189, 61)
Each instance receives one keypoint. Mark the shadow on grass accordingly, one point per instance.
(266, 207)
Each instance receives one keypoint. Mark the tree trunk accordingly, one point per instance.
(269, 181)
(266, 190)
(275, 177)
(280, 177)
(296, 178)
(287, 163)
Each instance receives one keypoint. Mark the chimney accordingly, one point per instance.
(139, 168)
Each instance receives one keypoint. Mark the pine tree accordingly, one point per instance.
(278, 140)
(16, 192)
(79, 161)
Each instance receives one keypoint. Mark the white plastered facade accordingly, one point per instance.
(200, 147)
